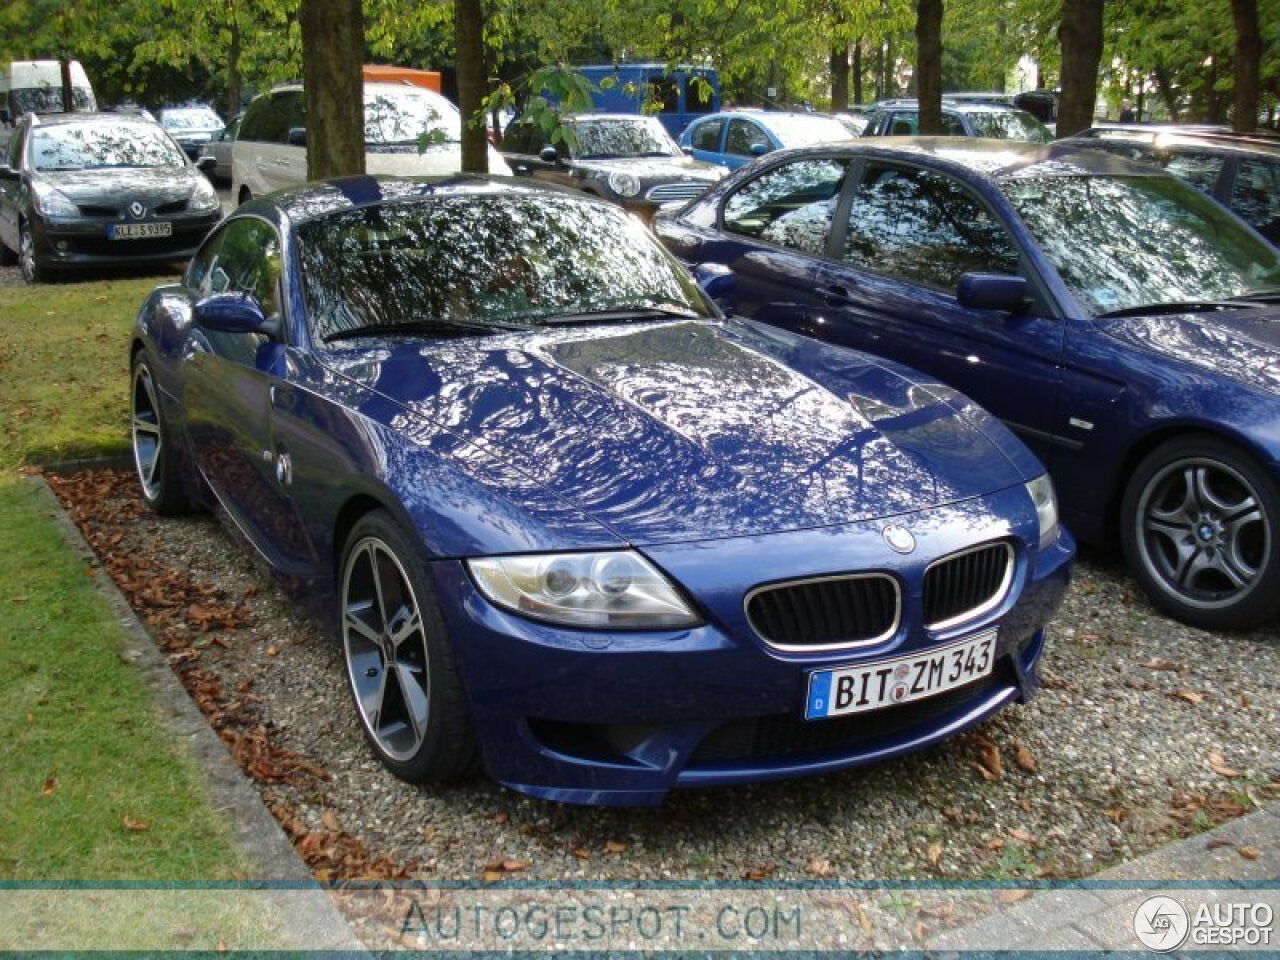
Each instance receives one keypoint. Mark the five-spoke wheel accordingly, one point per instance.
(33, 271)
(399, 664)
(1200, 526)
(153, 454)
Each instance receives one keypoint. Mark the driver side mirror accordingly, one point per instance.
(992, 291)
(760, 149)
(236, 312)
(548, 154)
(715, 279)
(8, 173)
(297, 136)
(207, 163)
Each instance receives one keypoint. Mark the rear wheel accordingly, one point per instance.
(154, 455)
(400, 666)
(1200, 525)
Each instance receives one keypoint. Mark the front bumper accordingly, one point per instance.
(84, 243)
(622, 718)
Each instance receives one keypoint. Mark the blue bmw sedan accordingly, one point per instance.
(567, 521)
(1123, 324)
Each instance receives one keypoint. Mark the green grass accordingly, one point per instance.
(84, 747)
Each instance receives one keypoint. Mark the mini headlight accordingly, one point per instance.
(618, 589)
(203, 197)
(53, 203)
(624, 184)
(1046, 504)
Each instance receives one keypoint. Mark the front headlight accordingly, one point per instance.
(204, 198)
(53, 203)
(617, 589)
(1046, 504)
(624, 184)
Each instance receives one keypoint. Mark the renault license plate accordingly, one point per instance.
(886, 683)
(139, 231)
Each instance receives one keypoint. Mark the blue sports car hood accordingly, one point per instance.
(1241, 344)
(680, 431)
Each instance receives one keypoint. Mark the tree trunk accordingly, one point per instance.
(1080, 33)
(1167, 93)
(468, 19)
(882, 87)
(232, 102)
(856, 70)
(929, 65)
(1248, 64)
(1213, 102)
(839, 63)
(332, 56)
(68, 95)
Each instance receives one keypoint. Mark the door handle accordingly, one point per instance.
(835, 293)
(521, 170)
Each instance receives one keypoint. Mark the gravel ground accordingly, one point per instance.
(1146, 730)
(10, 276)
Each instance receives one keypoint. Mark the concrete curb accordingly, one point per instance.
(258, 837)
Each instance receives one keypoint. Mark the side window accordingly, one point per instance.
(1256, 196)
(516, 137)
(16, 140)
(952, 125)
(198, 270)
(294, 109)
(707, 136)
(790, 205)
(254, 116)
(1198, 169)
(743, 135)
(266, 121)
(924, 228)
(665, 91)
(903, 123)
(243, 257)
(698, 95)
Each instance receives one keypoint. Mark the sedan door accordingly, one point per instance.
(891, 278)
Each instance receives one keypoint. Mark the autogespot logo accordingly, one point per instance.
(1161, 923)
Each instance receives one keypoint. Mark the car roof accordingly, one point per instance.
(995, 159)
(102, 116)
(310, 201)
(1174, 137)
(959, 106)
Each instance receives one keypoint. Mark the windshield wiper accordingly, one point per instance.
(1178, 306)
(1265, 295)
(418, 327)
(617, 312)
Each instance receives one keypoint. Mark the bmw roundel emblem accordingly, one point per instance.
(898, 538)
(137, 210)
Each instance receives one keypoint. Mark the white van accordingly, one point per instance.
(27, 85)
(270, 152)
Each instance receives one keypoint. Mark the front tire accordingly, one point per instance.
(400, 666)
(154, 454)
(33, 271)
(1200, 520)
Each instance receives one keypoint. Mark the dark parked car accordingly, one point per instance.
(98, 189)
(901, 118)
(1122, 323)
(630, 160)
(1242, 172)
(191, 127)
(566, 518)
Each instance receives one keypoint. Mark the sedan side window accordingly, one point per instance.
(1256, 197)
(1198, 169)
(244, 257)
(924, 228)
(790, 206)
(743, 135)
(707, 136)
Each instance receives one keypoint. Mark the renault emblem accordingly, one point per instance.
(137, 210)
(898, 538)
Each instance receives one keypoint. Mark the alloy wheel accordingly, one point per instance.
(1203, 533)
(148, 436)
(386, 651)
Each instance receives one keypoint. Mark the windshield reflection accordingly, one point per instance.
(606, 139)
(1124, 242)
(483, 259)
(91, 146)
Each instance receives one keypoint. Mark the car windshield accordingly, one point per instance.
(194, 118)
(799, 131)
(1126, 242)
(48, 100)
(1009, 125)
(485, 260)
(92, 146)
(399, 116)
(599, 138)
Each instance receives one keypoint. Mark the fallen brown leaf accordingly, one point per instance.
(995, 843)
(1024, 758)
(1024, 836)
(1158, 664)
(514, 866)
(1190, 696)
(501, 817)
(1249, 853)
(1219, 766)
(934, 853)
(614, 846)
(819, 867)
(1012, 896)
(1217, 842)
(1116, 814)
(272, 650)
(134, 826)
(50, 784)
(582, 853)
(761, 872)
(493, 876)
(329, 820)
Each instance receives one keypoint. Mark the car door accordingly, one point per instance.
(744, 141)
(890, 283)
(706, 140)
(232, 385)
(11, 190)
(1255, 194)
(276, 162)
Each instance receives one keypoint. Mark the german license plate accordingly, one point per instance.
(886, 683)
(139, 231)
